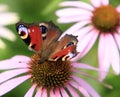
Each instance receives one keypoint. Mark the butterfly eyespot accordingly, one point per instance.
(69, 44)
(23, 31)
(44, 30)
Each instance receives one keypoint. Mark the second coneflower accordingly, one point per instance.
(98, 20)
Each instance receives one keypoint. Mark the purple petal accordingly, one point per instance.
(82, 32)
(74, 30)
(88, 43)
(83, 66)
(11, 84)
(105, 2)
(10, 74)
(103, 57)
(73, 19)
(86, 86)
(64, 93)
(72, 91)
(69, 12)
(52, 94)
(77, 4)
(118, 8)
(39, 92)
(83, 91)
(91, 43)
(15, 62)
(44, 93)
(118, 30)
(85, 44)
(55, 94)
(117, 37)
(114, 53)
(96, 3)
(30, 91)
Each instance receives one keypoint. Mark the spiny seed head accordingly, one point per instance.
(105, 18)
(49, 74)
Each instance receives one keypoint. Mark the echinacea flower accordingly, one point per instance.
(98, 20)
(51, 71)
(6, 18)
(48, 79)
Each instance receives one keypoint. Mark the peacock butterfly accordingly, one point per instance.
(44, 38)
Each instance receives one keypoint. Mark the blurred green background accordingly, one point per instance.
(44, 10)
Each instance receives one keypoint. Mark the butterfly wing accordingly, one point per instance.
(66, 48)
(52, 34)
(30, 34)
(43, 38)
(50, 40)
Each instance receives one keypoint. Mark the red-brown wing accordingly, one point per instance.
(66, 48)
(30, 34)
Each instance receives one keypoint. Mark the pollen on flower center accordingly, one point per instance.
(49, 74)
(105, 18)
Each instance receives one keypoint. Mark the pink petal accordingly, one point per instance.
(79, 4)
(39, 92)
(81, 89)
(15, 62)
(86, 43)
(11, 84)
(30, 91)
(44, 93)
(89, 43)
(103, 57)
(86, 86)
(73, 19)
(82, 32)
(52, 94)
(96, 3)
(105, 2)
(72, 91)
(113, 53)
(64, 93)
(84, 92)
(83, 66)
(10, 74)
(118, 8)
(117, 37)
(75, 28)
(56, 94)
(69, 12)
(118, 30)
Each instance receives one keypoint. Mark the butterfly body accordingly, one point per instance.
(44, 38)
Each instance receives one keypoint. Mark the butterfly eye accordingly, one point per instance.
(23, 31)
(44, 30)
